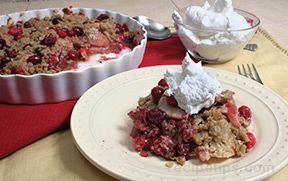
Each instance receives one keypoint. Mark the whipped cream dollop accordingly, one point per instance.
(217, 19)
(218, 14)
(192, 87)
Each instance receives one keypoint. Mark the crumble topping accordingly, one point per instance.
(58, 43)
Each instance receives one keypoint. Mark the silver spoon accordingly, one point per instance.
(154, 29)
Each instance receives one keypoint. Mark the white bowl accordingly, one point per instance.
(65, 85)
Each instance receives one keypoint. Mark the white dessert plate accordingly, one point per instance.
(101, 129)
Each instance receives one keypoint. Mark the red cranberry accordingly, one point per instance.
(11, 53)
(78, 31)
(28, 24)
(139, 114)
(153, 131)
(140, 125)
(133, 114)
(144, 153)
(67, 11)
(18, 70)
(4, 61)
(5, 47)
(163, 83)
(252, 140)
(128, 40)
(49, 40)
(73, 54)
(56, 20)
(71, 33)
(139, 143)
(34, 59)
(52, 60)
(14, 31)
(61, 33)
(19, 22)
(155, 116)
(125, 27)
(2, 43)
(183, 149)
(18, 37)
(102, 17)
(37, 51)
(245, 112)
(84, 52)
(171, 100)
(76, 46)
(157, 93)
(135, 133)
(121, 28)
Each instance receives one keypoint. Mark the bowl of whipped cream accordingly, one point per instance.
(215, 32)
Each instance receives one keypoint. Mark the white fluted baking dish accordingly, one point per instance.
(65, 85)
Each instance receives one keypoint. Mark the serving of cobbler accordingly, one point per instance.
(162, 128)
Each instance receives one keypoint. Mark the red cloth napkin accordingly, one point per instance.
(165, 52)
(21, 125)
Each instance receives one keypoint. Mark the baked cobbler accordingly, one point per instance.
(62, 42)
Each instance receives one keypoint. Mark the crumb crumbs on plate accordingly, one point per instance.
(169, 164)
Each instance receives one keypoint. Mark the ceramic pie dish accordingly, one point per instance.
(68, 84)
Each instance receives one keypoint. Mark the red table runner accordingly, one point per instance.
(21, 125)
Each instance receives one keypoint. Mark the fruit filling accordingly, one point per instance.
(165, 130)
